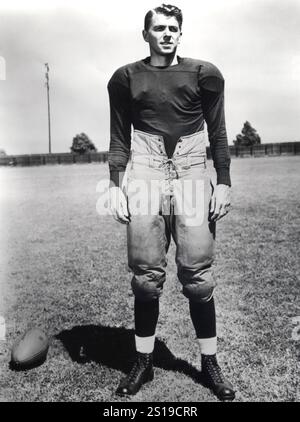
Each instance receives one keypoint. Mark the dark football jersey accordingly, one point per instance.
(170, 101)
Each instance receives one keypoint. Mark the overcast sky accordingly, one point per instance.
(255, 44)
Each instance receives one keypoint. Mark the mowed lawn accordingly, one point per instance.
(63, 268)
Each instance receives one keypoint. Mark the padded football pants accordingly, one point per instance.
(169, 197)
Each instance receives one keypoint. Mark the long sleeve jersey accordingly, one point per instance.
(171, 101)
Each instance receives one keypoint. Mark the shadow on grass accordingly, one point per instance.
(115, 348)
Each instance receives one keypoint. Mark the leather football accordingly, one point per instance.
(30, 349)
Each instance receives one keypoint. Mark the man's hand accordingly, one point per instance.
(118, 205)
(220, 202)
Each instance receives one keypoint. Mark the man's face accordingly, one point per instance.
(163, 35)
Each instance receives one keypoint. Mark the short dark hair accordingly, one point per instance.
(164, 9)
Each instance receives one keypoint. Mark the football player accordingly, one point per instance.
(160, 187)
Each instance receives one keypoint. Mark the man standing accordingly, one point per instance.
(167, 99)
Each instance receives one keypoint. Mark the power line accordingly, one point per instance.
(48, 101)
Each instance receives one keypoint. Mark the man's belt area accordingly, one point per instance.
(183, 162)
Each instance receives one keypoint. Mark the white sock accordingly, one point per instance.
(208, 346)
(144, 344)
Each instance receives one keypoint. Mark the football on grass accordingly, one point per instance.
(30, 349)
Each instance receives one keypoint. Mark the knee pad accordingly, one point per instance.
(199, 286)
(198, 292)
(147, 287)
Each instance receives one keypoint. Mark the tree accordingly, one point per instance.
(82, 144)
(2, 153)
(249, 136)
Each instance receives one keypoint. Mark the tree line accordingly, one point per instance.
(82, 144)
(248, 137)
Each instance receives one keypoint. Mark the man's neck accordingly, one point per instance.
(162, 61)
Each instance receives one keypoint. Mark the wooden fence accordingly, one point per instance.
(283, 148)
(59, 158)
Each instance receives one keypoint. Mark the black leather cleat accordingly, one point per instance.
(214, 379)
(141, 372)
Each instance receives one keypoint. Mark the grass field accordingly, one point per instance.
(63, 268)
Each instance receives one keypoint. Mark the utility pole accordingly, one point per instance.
(48, 101)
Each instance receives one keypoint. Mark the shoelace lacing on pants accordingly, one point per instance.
(171, 168)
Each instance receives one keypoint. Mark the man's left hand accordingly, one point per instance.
(220, 202)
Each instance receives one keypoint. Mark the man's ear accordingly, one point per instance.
(145, 35)
(180, 37)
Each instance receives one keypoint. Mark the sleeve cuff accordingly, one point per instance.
(223, 176)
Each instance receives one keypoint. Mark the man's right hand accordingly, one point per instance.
(118, 205)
